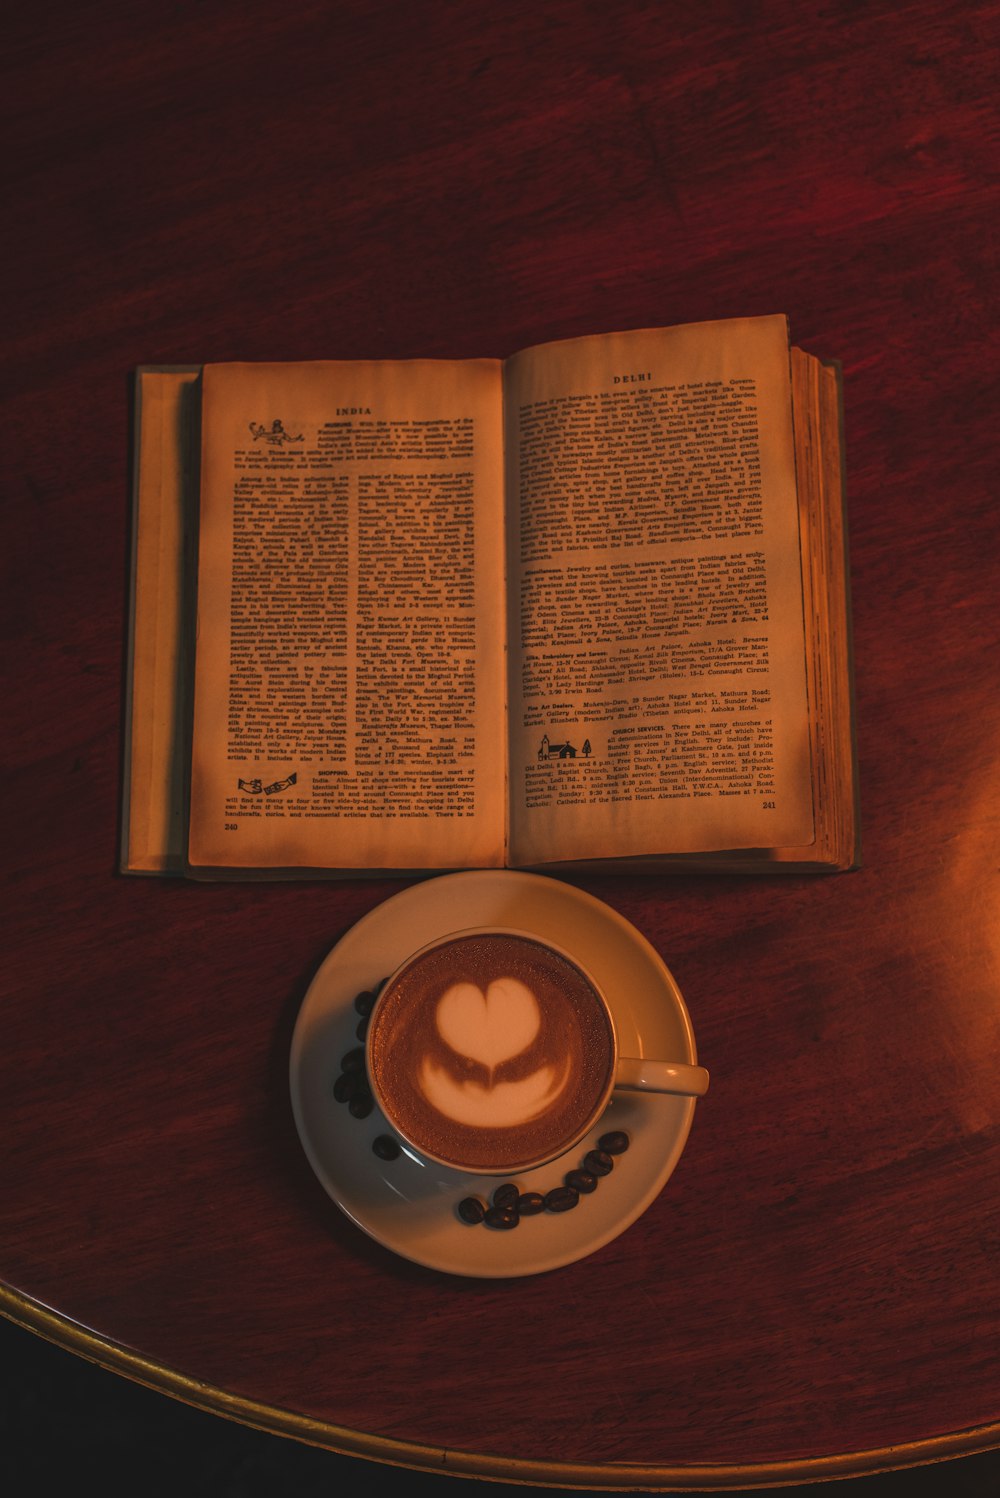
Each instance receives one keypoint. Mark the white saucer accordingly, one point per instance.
(410, 1207)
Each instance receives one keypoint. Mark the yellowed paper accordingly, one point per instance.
(350, 662)
(679, 687)
(157, 755)
(658, 698)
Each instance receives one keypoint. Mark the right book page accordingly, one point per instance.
(658, 685)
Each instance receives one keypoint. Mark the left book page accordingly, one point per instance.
(157, 720)
(349, 689)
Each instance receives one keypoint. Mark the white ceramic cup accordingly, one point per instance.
(630, 1073)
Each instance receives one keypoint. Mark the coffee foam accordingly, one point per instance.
(501, 1105)
(490, 1051)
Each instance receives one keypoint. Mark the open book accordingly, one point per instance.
(584, 607)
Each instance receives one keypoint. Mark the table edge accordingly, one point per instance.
(53, 1327)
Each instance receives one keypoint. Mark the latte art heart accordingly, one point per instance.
(490, 1027)
(490, 1051)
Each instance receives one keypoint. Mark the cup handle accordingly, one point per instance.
(644, 1074)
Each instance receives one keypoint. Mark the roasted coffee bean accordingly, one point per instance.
(561, 1198)
(348, 1085)
(582, 1181)
(386, 1147)
(598, 1162)
(354, 1060)
(361, 1105)
(506, 1196)
(362, 1029)
(530, 1203)
(364, 1002)
(471, 1209)
(615, 1143)
(501, 1217)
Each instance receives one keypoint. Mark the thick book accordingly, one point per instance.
(583, 608)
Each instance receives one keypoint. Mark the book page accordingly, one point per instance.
(349, 679)
(154, 834)
(658, 699)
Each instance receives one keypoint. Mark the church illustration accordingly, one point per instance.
(565, 750)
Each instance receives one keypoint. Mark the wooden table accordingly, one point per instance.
(816, 1291)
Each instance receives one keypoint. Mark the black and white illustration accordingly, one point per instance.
(562, 749)
(275, 435)
(256, 787)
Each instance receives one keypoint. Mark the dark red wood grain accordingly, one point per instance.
(820, 1278)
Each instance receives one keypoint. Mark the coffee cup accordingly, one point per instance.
(492, 1051)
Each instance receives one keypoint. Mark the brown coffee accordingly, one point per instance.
(490, 1052)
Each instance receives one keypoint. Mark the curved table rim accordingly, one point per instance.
(62, 1332)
